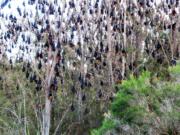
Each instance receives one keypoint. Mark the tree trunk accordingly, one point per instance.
(124, 44)
(2, 51)
(109, 56)
(46, 116)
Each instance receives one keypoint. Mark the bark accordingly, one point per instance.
(46, 117)
(25, 117)
(124, 44)
(109, 56)
(48, 104)
(2, 49)
(174, 40)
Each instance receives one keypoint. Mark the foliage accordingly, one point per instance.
(175, 69)
(15, 88)
(17, 113)
(107, 124)
(150, 108)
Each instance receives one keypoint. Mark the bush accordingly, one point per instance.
(142, 103)
(107, 124)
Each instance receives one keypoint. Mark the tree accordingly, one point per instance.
(85, 45)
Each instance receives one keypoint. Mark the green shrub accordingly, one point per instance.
(141, 102)
(175, 69)
(107, 124)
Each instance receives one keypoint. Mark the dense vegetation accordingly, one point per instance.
(81, 67)
(145, 105)
(148, 104)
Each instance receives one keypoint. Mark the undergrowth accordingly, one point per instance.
(143, 107)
